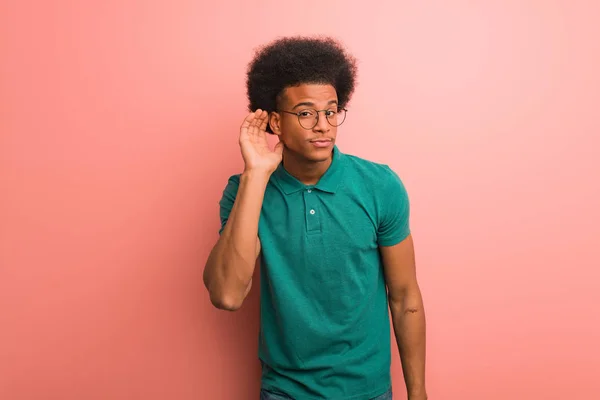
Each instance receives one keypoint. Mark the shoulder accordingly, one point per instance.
(378, 175)
(231, 188)
(375, 180)
(234, 179)
(233, 183)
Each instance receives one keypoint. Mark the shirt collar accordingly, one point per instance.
(329, 182)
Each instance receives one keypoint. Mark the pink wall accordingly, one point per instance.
(119, 126)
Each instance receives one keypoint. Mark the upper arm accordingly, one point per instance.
(394, 237)
(257, 254)
(394, 211)
(226, 205)
(399, 267)
(228, 199)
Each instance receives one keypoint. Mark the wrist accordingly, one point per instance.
(256, 174)
(417, 394)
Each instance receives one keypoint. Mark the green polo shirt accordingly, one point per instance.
(325, 328)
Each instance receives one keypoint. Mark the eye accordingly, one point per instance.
(331, 113)
(306, 113)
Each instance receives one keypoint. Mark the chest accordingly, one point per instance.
(319, 250)
(312, 221)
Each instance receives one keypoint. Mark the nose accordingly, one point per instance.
(322, 124)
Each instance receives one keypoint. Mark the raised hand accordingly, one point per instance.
(253, 143)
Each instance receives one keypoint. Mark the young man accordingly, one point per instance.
(332, 233)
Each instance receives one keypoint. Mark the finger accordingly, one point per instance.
(264, 121)
(255, 122)
(245, 128)
(261, 130)
(248, 131)
(248, 120)
(261, 121)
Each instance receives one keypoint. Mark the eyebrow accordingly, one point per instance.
(310, 104)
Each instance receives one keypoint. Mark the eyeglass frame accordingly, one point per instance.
(297, 114)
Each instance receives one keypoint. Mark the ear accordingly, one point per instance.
(275, 122)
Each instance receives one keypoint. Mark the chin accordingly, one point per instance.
(318, 155)
(311, 154)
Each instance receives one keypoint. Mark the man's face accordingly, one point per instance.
(315, 144)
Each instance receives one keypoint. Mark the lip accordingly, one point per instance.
(321, 143)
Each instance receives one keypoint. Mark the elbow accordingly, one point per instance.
(225, 293)
(226, 303)
(224, 299)
(406, 301)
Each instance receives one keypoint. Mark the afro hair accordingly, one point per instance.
(292, 61)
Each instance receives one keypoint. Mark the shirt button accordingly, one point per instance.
(312, 211)
(309, 191)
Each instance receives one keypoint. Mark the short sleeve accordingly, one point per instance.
(227, 200)
(394, 224)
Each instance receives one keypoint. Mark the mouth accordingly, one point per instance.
(321, 143)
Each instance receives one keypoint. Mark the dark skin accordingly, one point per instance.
(408, 314)
(308, 163)
(300, 157)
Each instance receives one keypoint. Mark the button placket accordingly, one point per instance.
(313, 223)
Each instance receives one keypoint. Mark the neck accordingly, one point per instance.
(307, 172)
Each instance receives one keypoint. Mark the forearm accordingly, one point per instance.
(230, 266)
(408, 317)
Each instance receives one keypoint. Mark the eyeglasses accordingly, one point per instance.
(309, 117)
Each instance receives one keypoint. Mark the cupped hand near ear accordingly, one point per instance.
(253, 143)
